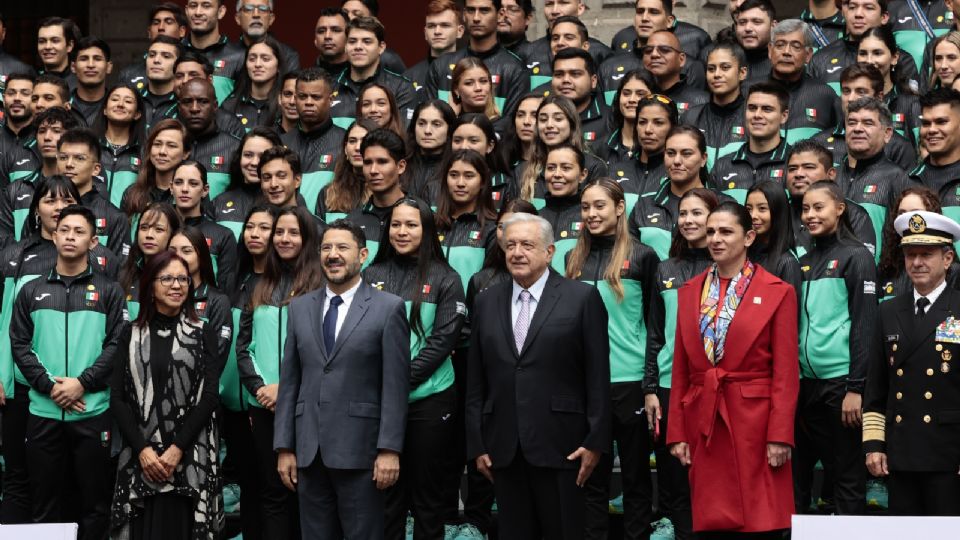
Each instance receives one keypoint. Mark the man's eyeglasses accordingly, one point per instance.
(167, 281)
(250, 8)
(664, 50)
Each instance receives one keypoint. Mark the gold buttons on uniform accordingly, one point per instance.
(900, 373)
(899, 395)
(898, 418)
(939, 347)
(930, 372)
(894, 347)
(928, 395)
(926, 418)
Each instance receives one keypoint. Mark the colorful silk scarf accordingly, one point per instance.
(715, 319)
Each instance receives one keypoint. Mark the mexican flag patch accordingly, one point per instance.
(811, 113)
(474, 235)
(217, 160)
(101, 223)
(220, 64)
(590, 136)
(872, 188)
(776, 173)
(426, 289)
(92, 296)
(832, 265)
(201, 306)
(576, 225)
(326, 159)
(737, 131)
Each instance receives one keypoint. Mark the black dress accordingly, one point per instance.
(182, 378)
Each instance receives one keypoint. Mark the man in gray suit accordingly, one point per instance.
(342, 403)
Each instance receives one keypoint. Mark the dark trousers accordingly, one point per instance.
(339, 503)
(673, 482)
(632, 435)
(278, 505)
(74, 455)
(241, 461)
(538, 502)
(478, 499)
(16, 506)
(424, 467)
(821, 436)
(924, 493)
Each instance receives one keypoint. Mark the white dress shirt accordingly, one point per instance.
(536, 291)
(932, 297)
(347, 298)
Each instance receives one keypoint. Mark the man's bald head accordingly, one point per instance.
(197, 105)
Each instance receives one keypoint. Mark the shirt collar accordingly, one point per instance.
(536, 290)
(933, 296)
(345, 296)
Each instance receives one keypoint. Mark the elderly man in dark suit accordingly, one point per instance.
(538, 398)
(342, 403)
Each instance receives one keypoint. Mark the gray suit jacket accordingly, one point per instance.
(352, 404)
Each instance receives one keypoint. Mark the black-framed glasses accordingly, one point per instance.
(167, 280)
(662, 49)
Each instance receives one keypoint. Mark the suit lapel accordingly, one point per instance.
(755, 309)
(506, 317)
(544, 306)
(358, 307)
(316, 322)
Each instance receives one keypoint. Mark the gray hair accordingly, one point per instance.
(240, 4)
(790, 26)
(546, 230)
(872, 104)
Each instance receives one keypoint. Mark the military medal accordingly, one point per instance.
(945, 367)
(946, 355)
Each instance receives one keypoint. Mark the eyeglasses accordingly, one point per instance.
(662, 49)
(167, 281)
(250, 8)
(782, 44)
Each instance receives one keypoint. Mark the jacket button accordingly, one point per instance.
(894, 347)
(930, 372)
(898, 418)
(900, 373)
(326, 370)
(899, 395)
(926, 418)
(928, 395)
(519, 368)
(891, 360)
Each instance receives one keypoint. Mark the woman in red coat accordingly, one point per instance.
(735, 384)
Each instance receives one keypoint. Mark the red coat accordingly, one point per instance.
(729, 413)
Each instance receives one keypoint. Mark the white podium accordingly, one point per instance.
(873, 527)
(47, 531)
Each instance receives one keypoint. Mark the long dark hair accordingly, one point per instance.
(244, 258)
(534, 169)
(139, 193)
(348, 189)
(900, 80)
(414, 151)
(245, 84)
(891, 258)
(135, 260)
(60, 186)
(511, 143)
(642, 75)
(622, 243)
(429, 255)
(844, 229)
(305, 270)
(679, 247)
(236, 175)
(395, 124)
(495, 257)
(495, 160)
(204, 260)
(485, 209)
(781, 237)
(685, 129)
(151, 271)
(136, 127)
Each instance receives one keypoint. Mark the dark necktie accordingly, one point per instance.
(922, 304)
(330, 324)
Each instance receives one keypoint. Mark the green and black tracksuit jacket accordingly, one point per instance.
(908, 30)
(944, 180)
(593, 122)
(67, 328)
(737, 173)
(653, 219)
(113, 228)
(20, 161)
(628, 317)
(813, 108)
(662, 322)
(372, 219)
(825, 31)
(318, 150)
(233, 394)
(786, 267)
(231, 208)
(421, 175)
(899, 150)
(905, 113)
(120, 167)
(874, 184)
(827, 63)
(860, 223)
(228, 60)
(215, 149)
(249, 112)
(223, 250)
(611, 149)
(563, 213)
(838, 312)
(722, 126)
(90, 111)
(596, 168)
(14, 207)
(508, 73)
(325, 214)
(613, 69)
(693, 39)
(466, 243)
(24, 262)
(156, 108)
(686, 96)
(261, 336)
(343, 100)
(11, 143)
(442, 314)
(538, 58)
(213, 307)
